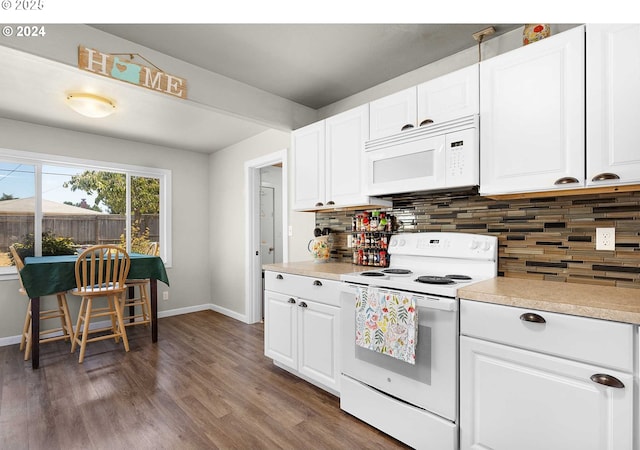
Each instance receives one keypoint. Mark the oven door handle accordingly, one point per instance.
(425, 301)
(442, 304)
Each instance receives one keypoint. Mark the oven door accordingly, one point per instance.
(430, 383)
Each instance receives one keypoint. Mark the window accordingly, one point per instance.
(56, 205)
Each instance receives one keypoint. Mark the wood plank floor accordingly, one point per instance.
(205, 384)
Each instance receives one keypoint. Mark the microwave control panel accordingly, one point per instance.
(462, 158)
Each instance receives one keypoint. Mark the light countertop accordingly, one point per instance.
(586, 300)
(328, 270)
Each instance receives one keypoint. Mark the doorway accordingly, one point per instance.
(266, 187)
(271, 214)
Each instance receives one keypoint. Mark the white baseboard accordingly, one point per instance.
(11, 340)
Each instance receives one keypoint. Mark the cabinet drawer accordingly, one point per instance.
(601, 342)
(310, 288)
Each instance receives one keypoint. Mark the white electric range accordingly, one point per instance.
(415, 403)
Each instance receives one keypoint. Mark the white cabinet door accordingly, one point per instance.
(518, 399)
(280, 328)
(318, 344)
(390, 114)
(532, 112)
(613, 97)
(308, 166)
(450, 96)
(344, 145)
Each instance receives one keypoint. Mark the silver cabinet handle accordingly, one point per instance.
(426, 122)
(279, 277)
(317, 283)
(406, 127)
(302, 305)
(605, 176)
(532, 317)
(607, 380)
(566, 180)
(291, 300)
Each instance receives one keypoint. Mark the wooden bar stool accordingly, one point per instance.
(101, 272)
(64, 332)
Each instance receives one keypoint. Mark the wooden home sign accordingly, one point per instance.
(119, 68)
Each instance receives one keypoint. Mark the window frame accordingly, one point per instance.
(37, 160)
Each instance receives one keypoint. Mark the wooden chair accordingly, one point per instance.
(101, 271)
(144, 316)
(64, 332)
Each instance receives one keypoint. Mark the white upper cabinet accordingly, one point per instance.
(613, 98)
(327, 163)
(308, 165)
(449, 97)
(439, 100)
(532, 110)
(345, 134)
(392, 114)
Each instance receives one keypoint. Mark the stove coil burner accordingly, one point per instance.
(372, 274)
(458, 277)
(397, 271)
(428, 279)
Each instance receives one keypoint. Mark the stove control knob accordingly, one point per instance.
(401, 242)
(473, 245)
(486, 246)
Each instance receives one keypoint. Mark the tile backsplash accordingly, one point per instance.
(543, 238)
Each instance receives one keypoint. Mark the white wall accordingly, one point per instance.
(227, 203)
(190, 208)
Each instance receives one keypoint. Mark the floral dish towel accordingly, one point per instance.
(386, 322)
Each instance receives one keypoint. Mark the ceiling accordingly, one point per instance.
(313, 65)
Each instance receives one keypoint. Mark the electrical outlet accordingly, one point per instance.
(605, 238)
(165, 295)
(349, 241)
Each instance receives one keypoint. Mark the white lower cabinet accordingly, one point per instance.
(301, 333)
(514, 395)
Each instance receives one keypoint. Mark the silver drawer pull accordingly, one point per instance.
(607, 380)
(291, 300)
(279, 277)
(302, 305)
(317, 283)
(532, 317)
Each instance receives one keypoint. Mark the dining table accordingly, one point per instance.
(47, 275)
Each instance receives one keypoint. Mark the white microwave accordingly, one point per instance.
(436, 157)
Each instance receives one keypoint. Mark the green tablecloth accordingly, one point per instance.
(46, 275)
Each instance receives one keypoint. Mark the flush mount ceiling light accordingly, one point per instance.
(90, 105)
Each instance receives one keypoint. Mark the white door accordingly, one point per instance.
(267, 225)
(390, 114)
(532, 116)
(281, 328)
(449, 97)
(344, 146)
(613, 96)
(318, 326)
(308, 166)
(518, 399)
